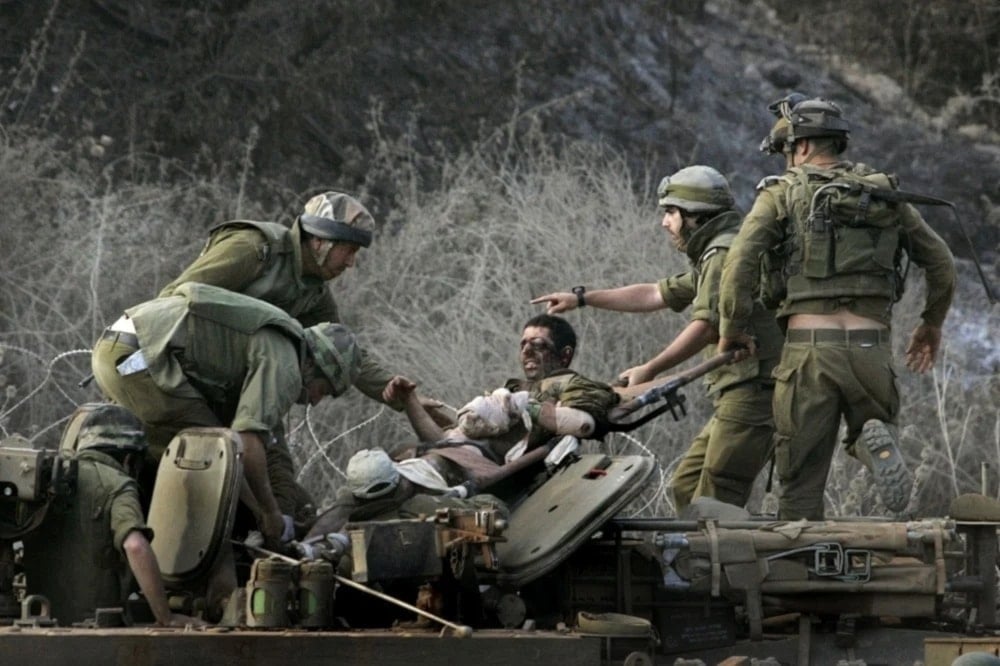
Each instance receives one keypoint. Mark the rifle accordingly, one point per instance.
(666, 391)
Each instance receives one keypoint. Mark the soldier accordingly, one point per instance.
(838, 249)
(550, 400)
(289, 268)
(211, 357)
(78, 555)
(730, 450)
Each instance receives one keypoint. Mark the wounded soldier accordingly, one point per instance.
(550, 402)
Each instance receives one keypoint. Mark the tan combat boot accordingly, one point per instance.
(876, 449)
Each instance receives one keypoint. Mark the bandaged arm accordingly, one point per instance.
(565, 420)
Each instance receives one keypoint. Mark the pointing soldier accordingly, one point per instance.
(727, 454)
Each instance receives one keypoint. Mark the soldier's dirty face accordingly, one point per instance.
(539, 355)
(341, 257)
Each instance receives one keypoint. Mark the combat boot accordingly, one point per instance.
(876, 449)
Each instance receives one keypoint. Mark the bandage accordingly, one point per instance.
(486, 415)
(422, 473)
(566, 446)
(572, 421)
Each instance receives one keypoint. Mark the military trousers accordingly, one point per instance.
(163, 415)
(724, 459)
(818, 382)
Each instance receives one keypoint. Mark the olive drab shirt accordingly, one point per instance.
(264, 260)
(569, 389)
(765, 227)
(75, 556)
(239, 353)
(699, 288)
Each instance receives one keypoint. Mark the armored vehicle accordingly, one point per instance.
(565, 578)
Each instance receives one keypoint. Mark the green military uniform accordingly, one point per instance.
(569, 389)
(214, 358)
(264, 260)
(75, 557)
(829, 372)
(724, 459)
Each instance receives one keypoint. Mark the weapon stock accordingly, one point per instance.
(667, 391)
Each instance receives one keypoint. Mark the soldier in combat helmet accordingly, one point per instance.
(78, 555)
(838, 251)
(726, 456)
(290, 267)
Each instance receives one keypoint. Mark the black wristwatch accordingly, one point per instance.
(580, 291)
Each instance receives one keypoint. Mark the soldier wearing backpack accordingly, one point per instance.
(838, 250)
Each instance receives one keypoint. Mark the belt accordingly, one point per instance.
(127, 339)
(864, 337)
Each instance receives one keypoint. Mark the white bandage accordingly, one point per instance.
(516, 451)
(572, 421)
(422, 473)
(563, 448)
(490, 415)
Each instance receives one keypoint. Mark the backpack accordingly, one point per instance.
(842, 236)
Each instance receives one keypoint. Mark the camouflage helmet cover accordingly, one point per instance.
(695, 189)
(111, 428)
(371, 474)
(335, 351)
(338, 217)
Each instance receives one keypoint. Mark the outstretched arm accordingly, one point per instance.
(403, 391)
(272, 525)
(632, 298)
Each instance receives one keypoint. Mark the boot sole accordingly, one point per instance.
(887, 465)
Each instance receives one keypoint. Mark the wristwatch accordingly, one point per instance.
(580, 291)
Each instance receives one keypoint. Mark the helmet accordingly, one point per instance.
(111, 428)
(371, 474)
(782, 108)
(800, 117)
(338, 217)
(817, 117)
(335, 352)
(695, 189)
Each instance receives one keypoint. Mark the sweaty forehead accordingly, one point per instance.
(532, 332)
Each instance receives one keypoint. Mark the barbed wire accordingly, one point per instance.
(321, 447)
(48, 375)
(661, 486)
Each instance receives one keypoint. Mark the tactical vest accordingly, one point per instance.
(163, 325)
(281, 281)
(840, 240)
